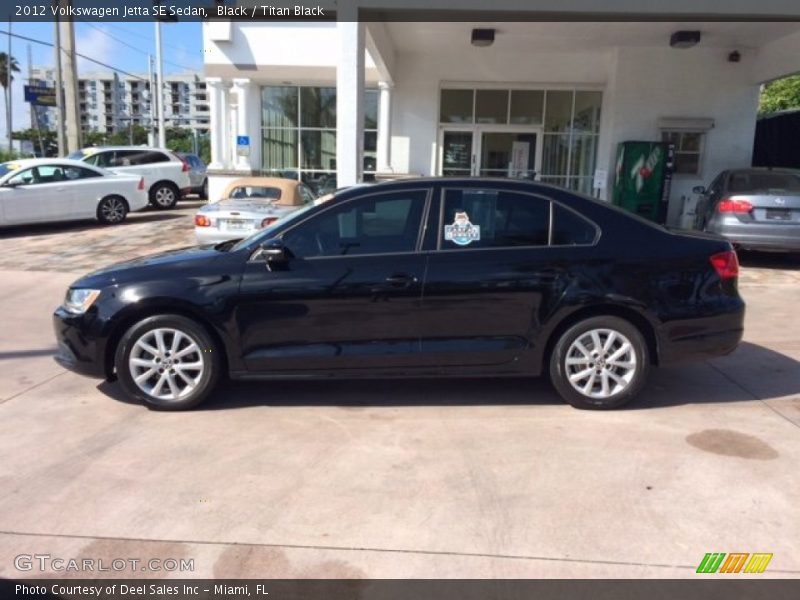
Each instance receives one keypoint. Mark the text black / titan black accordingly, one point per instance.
(420, 277)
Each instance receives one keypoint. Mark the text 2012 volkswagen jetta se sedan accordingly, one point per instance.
(427, 277)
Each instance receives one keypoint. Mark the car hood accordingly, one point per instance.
(170, 264)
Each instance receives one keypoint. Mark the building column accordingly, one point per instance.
(242, 89)
(225, 125)
(385, 127)
(350, 98)
(214, 87)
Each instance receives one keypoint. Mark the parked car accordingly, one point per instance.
(247, 205)
(198, 180)
(426, 277)
(166, 176)
(757, 209)
(55, 189)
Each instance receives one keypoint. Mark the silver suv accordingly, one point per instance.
(166, 175)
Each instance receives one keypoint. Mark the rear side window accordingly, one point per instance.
(571, 229)
(765, 182)
(487, 218)
(149, 158)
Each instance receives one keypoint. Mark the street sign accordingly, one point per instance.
(243, 145)
(40, 95)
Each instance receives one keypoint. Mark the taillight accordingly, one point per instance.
(726, 264)
(730, 205)
(185, 168)
(268, 221)
(141, 184)
(202, 221)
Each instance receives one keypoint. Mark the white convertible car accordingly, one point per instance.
(40, 190)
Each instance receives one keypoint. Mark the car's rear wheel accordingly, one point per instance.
(168, 362)
(204, 190)
(164, 195)
(599, 363)
(112, 210)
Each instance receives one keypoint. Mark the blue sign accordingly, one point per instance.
(40, 95)
(242, 140)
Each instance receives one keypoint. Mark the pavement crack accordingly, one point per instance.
(33, 387)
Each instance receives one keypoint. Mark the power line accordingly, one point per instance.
(134, 34)
(83, 56)
(124, 43)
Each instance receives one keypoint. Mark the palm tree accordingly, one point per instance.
(6, 77)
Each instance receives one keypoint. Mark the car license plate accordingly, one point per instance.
(236, 224)
(779, 214)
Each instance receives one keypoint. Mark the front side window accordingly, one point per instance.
(101, 159)
(72, 173)
(487, 218)
(39, 175)
(376, 224)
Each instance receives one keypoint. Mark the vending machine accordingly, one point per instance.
(643, 178)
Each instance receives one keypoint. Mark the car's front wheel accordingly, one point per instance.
(164, 195)
(168, 362)
(112, 210)
(599, 363)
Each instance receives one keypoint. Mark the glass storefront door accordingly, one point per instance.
(491, 152)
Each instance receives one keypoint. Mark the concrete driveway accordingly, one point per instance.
(487, 478)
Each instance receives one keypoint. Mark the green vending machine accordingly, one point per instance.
(643, 177)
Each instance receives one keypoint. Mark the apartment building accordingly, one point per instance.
(110, 102)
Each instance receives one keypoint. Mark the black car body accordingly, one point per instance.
(394, 280)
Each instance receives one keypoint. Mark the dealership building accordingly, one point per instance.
(369, 96)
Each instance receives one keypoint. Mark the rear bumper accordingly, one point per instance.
(763, 236)
(701, 338)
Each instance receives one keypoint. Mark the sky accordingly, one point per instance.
(124, 46)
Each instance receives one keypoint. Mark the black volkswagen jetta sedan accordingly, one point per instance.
(423, 277)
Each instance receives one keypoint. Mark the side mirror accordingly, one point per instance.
(275, 253)
(699, 189)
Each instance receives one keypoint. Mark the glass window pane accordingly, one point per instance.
(279, 150)
(555, 153)
(687, 163)
(558, 111)
(319, 183)
(370, 150)
(491, 106)
(690, 141)
(319, 150)
(584, 155)
(478, 218)
(456, 106)
(527, 107)
(279, 106)
(318, 106)
(457, 153)
(371, 109)
(587, 112)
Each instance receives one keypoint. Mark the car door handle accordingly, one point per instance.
(401, 280)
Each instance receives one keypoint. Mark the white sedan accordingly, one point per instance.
(40, 190)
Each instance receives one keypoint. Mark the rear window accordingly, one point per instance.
(261, 193)
(764, 182)
(570, 229)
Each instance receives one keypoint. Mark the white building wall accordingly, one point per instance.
(652, 83)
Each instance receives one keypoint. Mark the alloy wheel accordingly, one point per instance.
(601, 363)
(112, 210)
(165, 196)
(166, 363)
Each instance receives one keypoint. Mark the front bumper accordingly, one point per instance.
(78, 350)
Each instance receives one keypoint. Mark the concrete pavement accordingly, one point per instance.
(497, 478)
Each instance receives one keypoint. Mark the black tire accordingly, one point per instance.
(590, 370)
(205, 378)
(112, 210)
(164, 195)
(204, 190)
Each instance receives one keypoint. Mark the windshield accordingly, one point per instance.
(6, 168)
(266, 233)
(77, 155)
(764, 182)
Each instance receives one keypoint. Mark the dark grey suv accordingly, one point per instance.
(756, 208)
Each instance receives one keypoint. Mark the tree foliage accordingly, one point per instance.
(782, 94)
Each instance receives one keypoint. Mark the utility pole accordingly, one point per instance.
(73, 120)
(151, 134)
(162, 134)
(35, 107)
(10, 120)
(59, 92)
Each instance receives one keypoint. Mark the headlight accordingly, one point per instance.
(79, 300)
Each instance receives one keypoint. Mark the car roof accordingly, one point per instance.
(26, 163)
(147, 148)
